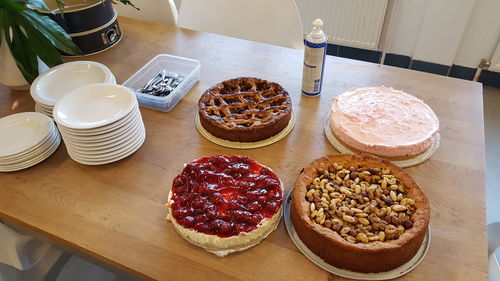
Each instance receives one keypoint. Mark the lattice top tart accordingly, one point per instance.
(245, 109)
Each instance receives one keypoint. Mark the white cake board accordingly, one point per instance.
(401, 163)
(397, 272)
(245, 145)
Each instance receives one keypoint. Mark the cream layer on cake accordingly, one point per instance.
(383, 121)
(214, 242)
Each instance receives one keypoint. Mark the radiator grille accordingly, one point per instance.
(354, 23)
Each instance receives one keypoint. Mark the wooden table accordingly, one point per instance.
(115, 213)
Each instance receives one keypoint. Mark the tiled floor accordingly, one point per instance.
(80, 270)
(492, 139)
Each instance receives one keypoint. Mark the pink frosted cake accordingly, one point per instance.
(384, 122)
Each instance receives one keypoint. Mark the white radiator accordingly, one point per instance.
(495, 60)
(354, 23)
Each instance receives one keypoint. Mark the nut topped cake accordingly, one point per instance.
(245, 109)
(225, 202)
(382, 121)
(359, 212)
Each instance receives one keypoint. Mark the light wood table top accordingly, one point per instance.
(115, 213)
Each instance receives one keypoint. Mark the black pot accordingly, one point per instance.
(81, 15)
(98, 39)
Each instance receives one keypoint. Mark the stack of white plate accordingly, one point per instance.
(53, 84)
(26, 139)
(100, 123)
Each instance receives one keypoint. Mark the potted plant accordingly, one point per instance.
(31, 38)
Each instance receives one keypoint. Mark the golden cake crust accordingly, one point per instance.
(245, 109)
(370, 257)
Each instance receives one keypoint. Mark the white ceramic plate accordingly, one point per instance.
(397, 272)
(105, 139)
(245, 145)
(110, 160)
(109, 145)
(50, 150)
(58, 81)
(22, 131)
(33, 153)
(29, 151)
(401, 163)
(43, 107)
(103, 129)
(132, 138)
(94, 106)
(35, 156)
(42, 110)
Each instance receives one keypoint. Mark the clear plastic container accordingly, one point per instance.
(189, 68)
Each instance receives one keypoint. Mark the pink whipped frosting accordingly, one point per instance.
(383, 121)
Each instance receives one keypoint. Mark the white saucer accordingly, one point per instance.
(133, 114)
(94, 106)
(112, 140)
(22, 131)
(102, 138)
(35, 160)
(401, 163)
(245, 145)
(120, 135)
(40, 109)
(397, 272)
(56, 82)
(25, 157)
(103, 153)
(33, 148)
(45, 107)
(115, 158)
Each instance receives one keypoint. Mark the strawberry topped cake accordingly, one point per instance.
(383, 121)
(225, 202)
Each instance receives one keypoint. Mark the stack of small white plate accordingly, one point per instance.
(26, 139)
(53, 84)
(100, 123)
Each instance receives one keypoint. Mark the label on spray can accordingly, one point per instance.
(314, 60)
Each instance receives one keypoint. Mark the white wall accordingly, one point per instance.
(159, 11)
(406, 17)
(481, 35)
(178, 4)
(444, 31)
(447, 32)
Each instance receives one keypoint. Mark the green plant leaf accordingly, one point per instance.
(38, 3)
(49, 53)
(19, 46)
(29, 35)
(17, 5)
(125, 2)
(52, 31)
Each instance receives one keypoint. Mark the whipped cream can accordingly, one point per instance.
(314, 60)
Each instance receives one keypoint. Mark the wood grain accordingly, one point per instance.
(115, 213)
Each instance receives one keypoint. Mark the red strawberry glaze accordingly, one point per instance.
(225, 195)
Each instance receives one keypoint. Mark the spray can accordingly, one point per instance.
(314, 60)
